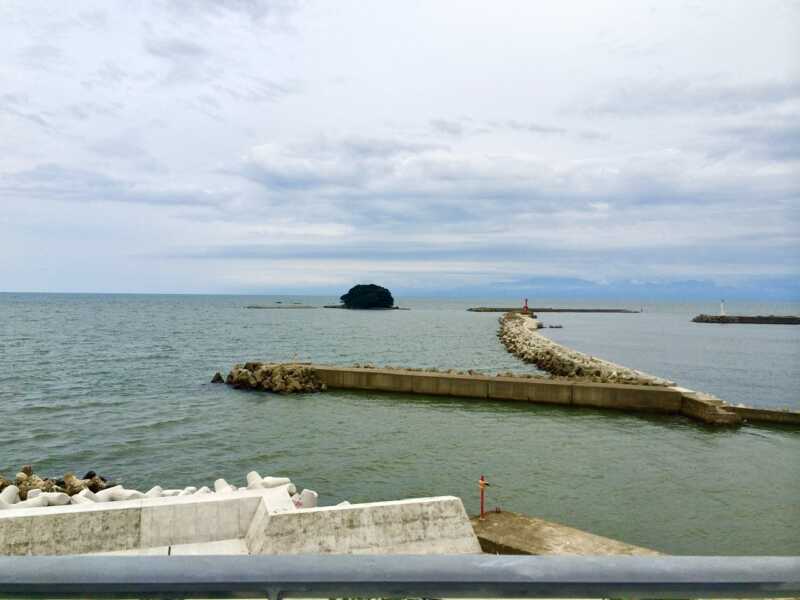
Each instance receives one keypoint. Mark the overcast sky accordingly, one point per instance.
(488, 148)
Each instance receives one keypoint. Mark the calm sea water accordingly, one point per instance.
(119, 384)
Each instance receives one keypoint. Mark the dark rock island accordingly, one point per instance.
(367, 297)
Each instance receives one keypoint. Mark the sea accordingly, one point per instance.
(120, 384)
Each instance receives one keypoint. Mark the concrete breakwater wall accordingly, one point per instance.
(520, 336)
(767, 415)
(525, 388)
(631, 398)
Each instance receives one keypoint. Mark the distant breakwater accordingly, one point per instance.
(551, 310)
(520, 337)
(284, 307)
(750, 320)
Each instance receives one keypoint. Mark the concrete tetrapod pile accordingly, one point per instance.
(20, 494)
(520, 336)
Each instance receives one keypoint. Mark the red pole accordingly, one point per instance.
(482, 484)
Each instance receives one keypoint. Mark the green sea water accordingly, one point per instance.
(120, 384)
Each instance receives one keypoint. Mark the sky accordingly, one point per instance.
(619, 149)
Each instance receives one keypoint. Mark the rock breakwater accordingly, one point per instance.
(520, 337)
(268, 377)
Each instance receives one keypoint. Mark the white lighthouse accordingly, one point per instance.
(722, 308)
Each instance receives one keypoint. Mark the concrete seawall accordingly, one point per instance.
(632, 398)
(243, 522)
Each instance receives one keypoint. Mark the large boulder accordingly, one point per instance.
(368, 296)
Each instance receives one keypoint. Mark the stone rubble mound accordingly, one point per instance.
(280, 378)
(447, 371)
(520, 337)
(28, 490)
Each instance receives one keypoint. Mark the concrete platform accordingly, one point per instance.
(513, 533)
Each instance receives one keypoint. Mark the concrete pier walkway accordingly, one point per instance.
(513, 533)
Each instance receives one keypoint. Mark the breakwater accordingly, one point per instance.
(509, 387)
(520, 337)
(749, 320)
(282, 306)
(625, 397)
(551, 310)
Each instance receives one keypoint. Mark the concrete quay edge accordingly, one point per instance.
(507, 532)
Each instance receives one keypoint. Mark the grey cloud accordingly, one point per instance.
(256, 10)
(422, 188)
(41, 57)
(594, 135)
(186, 61)
(773, 141)
(176, 49)
(301, 176)
(692, 96)
(259, 89)
(377, 147)
(465, 127)
(125, 148)
(349, 163)
(447, 127)
(397, 248)
(111, 75)
(19, 106)
(95, 19)
(89, 110)
(533, 127)
(55, 182)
